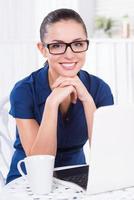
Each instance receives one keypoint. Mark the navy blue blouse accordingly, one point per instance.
(28, 99)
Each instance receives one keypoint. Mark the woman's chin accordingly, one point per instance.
(70, 73)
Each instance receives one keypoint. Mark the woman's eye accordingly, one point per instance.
(56, 46)
(78, 44)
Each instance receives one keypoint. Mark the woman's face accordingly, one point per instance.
(69, 63)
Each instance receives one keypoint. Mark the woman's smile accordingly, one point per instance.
(68, 65)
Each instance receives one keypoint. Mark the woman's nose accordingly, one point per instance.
(69, 53)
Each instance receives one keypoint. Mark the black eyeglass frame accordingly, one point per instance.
(67, 45)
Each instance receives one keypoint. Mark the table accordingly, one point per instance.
(19, 189)
(61, 190)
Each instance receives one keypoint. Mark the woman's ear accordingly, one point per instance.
(42, 49)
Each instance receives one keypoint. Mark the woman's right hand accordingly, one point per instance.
(59, 94)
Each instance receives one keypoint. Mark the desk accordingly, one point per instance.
(61, 190)
(19, 190)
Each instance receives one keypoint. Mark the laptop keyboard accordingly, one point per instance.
(81, 180)
(77, 175)
(124, 194)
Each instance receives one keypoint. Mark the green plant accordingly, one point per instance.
(103, 23)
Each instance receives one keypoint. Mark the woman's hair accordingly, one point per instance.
(58, 15)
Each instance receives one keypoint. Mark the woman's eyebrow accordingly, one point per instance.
(61, 41)
(79, 39)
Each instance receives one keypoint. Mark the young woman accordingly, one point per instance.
(54, 106)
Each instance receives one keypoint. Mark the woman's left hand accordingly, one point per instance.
(82, 93)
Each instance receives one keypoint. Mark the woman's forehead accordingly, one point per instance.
(65, 30)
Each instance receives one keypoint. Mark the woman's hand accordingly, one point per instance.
(59, 94)
(81, 91)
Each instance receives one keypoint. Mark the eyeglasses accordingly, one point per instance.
(61, 47)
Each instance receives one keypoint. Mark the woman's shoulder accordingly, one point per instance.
(24, 87)
(98, 88)
(22, 96)
(91, 79)
(30, 79)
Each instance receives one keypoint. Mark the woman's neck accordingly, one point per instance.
(51, 78)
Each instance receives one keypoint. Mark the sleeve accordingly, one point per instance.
(104, 96)
(21, 102)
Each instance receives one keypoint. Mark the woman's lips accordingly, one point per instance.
(68, 66)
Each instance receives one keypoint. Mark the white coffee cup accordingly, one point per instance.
(39, 172)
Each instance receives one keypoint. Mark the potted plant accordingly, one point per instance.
(104, 25)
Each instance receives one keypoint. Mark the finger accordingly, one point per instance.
(67, 83)
(57, 82)
(61, 80)
(74, 96)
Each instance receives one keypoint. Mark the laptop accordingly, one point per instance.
(77, 174)
(112, 152)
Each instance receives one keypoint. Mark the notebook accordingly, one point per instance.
(112, 152)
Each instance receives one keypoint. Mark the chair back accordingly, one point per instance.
(7, 136)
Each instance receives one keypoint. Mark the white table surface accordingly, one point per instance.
(61, 190)
(19, 189)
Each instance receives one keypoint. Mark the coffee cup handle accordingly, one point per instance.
(20, 169)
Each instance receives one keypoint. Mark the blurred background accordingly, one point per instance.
(110, 27)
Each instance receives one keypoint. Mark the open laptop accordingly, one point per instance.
(112, 152)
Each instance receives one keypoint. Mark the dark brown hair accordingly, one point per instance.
(58, 15)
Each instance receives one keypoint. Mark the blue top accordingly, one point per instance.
(28, 99)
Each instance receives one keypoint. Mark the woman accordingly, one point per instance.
(54, 106)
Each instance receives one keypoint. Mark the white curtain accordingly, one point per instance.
(115, 8)
(113, 61)
(19, 33)
(18, 54)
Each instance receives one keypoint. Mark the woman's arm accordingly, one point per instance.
(42, 139)
(89, 108)
(84, 97)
